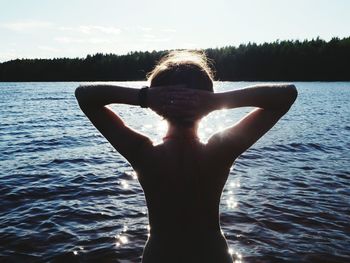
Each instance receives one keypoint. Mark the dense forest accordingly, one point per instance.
(281, 60)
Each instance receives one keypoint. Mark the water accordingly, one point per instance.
(66, 194)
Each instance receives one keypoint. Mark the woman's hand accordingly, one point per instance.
(179, 102)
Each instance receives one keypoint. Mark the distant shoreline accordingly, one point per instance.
(70, 81)
(308, 60)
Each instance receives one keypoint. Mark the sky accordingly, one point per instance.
(75, 28)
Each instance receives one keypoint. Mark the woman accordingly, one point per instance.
(183, 178)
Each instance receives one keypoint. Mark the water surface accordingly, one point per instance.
(66, 194)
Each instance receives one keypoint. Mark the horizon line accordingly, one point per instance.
(318, 38)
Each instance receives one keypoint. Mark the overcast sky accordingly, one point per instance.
(75, 28)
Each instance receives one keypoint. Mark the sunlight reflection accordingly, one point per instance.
(220, 128)
(76, 252)
(148, 230)
(231, 202)
(124, 184)
(160, 131)
(132, 174)
(235, 184)
(202, 136)
(236, 256)
(162, 127)
(208, 130)
(146, 127)
(121, 240)
(205, 131)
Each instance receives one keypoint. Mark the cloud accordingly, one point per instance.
(169, 30)
(164, 39)
(190, 45)
(50, 49)
(9, 55)
(92, 34)
(149, 36)
(137, 28)
(26, 25)
(88, 30)
(144, 29)
(74, 40)
(153, 38)
(81, 29)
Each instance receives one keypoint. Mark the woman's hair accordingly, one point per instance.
(183, 67)
(190, 68)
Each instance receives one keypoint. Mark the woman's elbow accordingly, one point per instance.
(81, 94)
(79, 91)
(86, 98)
(292, 93)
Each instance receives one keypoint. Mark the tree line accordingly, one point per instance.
(289, 60)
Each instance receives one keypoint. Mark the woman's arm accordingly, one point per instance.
(272, 101)
(268, 97)
(93, 99)
(90, 96)
(158, 98)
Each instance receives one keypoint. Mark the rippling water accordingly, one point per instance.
(66, 194)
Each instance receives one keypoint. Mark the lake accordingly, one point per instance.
(67, 195)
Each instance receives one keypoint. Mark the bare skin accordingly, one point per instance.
(183, 178)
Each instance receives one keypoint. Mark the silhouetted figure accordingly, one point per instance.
(182, 177)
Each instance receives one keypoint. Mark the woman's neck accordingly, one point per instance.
(176, 132)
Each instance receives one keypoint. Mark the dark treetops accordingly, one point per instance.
(307, 60)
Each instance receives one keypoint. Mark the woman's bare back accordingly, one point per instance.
(183, 185)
